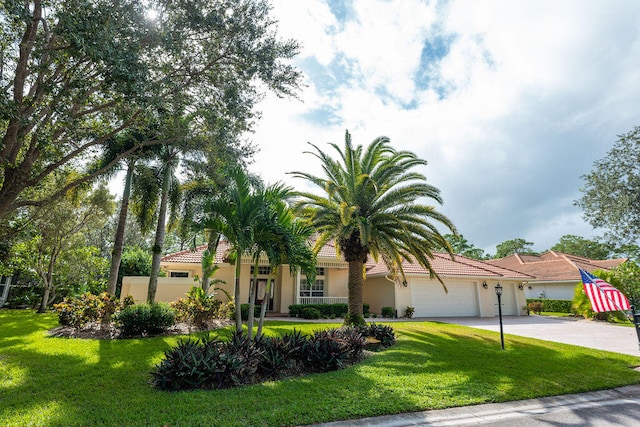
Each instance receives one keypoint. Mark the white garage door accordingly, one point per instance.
(509, 307)
(430, 300)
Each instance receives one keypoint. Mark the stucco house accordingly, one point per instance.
(555, 274)
(470, 284)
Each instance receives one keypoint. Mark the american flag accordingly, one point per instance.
(602, 295)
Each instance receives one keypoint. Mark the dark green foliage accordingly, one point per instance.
(210, 363)
(552, 305)
(244, 311)
(327, 311)
(408, 312)
(310, 313)
(278, 355)
(144, 319)
(24, 296)
(326, 352)
(382, 333)
(388, 312)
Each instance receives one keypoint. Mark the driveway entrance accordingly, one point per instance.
(585, 333)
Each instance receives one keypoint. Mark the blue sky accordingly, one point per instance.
(509, 102)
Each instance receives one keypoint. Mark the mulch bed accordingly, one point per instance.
(97, 331)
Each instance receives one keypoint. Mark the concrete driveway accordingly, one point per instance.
(585, 333)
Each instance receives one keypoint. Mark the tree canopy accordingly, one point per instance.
(76, 73)
(576, 245)
(611, 195)
(513, 246)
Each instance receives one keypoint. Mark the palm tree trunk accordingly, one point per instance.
(160, 233)
(116, 253)
(263, 308)
(252, 299)
(236, 295)
(356, 281)
(213, 239)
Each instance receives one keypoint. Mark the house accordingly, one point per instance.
(555, 273)
(470, 284)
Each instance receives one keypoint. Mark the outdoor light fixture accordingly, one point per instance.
(484, 285)
(520, 286)
(499, 294)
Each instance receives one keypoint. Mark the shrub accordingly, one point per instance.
(198, 308)
(310, 313)
(128, 301)
(210, 363)
(328, 311)
(535, 307)
(326, 353)
(145, 319)
(382, 333)
(408, 312)
(23, 296)
(77, 312)
(244, 311)
(388, 312)
(552, 305)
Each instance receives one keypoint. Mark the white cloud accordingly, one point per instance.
(535, 92)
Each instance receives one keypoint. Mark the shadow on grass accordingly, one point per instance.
(78, 382)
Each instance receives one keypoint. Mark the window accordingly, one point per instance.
(179, 274)
(315, 289)
(263, 270)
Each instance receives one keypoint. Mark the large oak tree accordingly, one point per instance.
(74, 74)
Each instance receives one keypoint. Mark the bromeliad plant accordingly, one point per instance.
(209, 363)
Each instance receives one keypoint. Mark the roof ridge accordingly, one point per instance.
(483, 265)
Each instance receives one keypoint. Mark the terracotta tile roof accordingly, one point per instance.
(554, 266)
(444, 266)
(195, 256)
(328, 251)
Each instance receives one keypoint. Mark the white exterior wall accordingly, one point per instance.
(551, 290)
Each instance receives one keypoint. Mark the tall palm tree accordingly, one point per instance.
(277, 236)
(237, 213)
(371, 206)
(288, 245)
(155, 189)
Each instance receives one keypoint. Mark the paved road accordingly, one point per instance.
(618, 407)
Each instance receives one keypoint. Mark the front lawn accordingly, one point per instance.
(60, 382)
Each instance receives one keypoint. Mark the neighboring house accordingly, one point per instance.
(470, 284)
(5, 282)
(555, 273)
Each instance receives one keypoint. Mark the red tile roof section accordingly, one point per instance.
(554, 266)
(444, 266)
(442, 263)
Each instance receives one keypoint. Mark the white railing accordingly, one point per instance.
(322, 300)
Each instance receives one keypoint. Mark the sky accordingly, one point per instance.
(510, 103)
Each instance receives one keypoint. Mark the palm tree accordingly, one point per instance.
(237, 213)
(155, 189)
(370, 206)
(278, 236)
(288, 245)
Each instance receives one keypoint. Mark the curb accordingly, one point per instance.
(496, 412)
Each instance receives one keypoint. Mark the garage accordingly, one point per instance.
(430, 300)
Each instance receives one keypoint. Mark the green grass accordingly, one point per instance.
(60, 382)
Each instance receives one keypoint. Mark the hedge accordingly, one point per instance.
(553, 305)
(327, 311)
